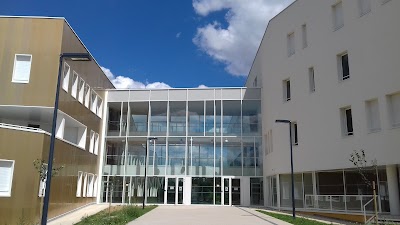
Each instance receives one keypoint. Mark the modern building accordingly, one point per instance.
(30, 50)
(203, 145)
(331, 67)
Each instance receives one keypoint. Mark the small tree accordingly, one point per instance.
(41, 168)
(359, 160)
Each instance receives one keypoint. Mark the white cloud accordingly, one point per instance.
(236, 45)
(178, 35)
(121, 82)
(202, 86)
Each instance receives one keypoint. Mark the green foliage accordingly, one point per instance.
(289, 219)
(41, 168)
(119, 217)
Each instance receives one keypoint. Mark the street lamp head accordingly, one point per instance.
(76, 56)
(282, 121)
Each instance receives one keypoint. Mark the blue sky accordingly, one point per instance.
(159, 43)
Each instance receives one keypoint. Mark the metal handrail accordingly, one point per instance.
(365, 211)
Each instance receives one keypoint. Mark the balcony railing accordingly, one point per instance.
(353, 203)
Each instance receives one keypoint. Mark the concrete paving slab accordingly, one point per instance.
(76, 216)
(204, 215)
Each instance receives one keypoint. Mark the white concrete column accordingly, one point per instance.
(393, 188)
(245, 191)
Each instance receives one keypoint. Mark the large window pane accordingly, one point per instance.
(201, 158)
(138, 119)
(232, 157)
(158, 125)
(157, 156)
(196, 118)
(114, 119)
(177, 118)
(251, 117)
(218, 117)
(176, 156)
(231, 118)
(155, 190)
(115, 157)
(209, 119)
(135, 159)
(202, 190)
(249, 160)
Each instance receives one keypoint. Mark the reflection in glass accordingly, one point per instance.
(209, 118)
(158, 125)
(139, 119)
(251, 117)
(155, 190)
(218, 118)
(157, 157)
(231, 118)
(202, 190)
(256, 193)
(248, 157)
(232, 157)
(114, 119)
(196, 118)
(177, 118)
(135, 158)
(201, 158)
(115, 157)
(176, 156)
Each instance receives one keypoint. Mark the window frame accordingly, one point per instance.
(295, 133)
(391, 110)
(287, 92)
(370, 116)
(13, 79)
(291, 46)
(360, 7)
(340, 56)
(65, 77)
(79, 184)
(8, 193)
(87, 95)
(335, 16)
(81, 90)
(345, 123)
(304, 35)
(75, 85)
(311, 79)
(91, 141)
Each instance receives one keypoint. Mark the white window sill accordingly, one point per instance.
(5, 194)
(20, 81)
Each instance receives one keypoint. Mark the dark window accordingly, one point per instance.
(34, 126)
(349, 122)
(287, 90)
(345, 67)
(294, 133)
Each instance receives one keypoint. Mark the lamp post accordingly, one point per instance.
(150, 139)
(72, 57)
(291, 163)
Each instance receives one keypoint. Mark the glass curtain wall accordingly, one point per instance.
(177, 118)
(138, 123)
(176, 156)
(196, 118)
(158, 124)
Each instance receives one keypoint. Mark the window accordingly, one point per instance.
(364, 6)
(85, 175)
(311, 79)
(347, 121)
(90, 185)
(337, 12)
(81, 90)
(74, 88)
(93, 102)
(87, 95)
(290, 44)
(255, 84)
(42, 183)
(295, 138)
(372, 110)
(343, 65)
(66, 73)
(286, 90)
(6, 177)
(79, 184)
(304, 35)
(91, 145)
(99, 109)
(95, 186)
(394, 109)
(22, 68)
(96, 143)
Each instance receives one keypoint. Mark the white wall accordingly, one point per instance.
(372, 42)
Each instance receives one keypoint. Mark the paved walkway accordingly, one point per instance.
(205, 215)
(76, 216)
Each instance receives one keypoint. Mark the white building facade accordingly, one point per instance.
(332, 68)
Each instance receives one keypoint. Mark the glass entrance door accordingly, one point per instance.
(171, 184)
(235, 191)
(175, 190)
(226, 191)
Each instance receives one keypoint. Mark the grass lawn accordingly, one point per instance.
(289, 219)
(119, 215)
